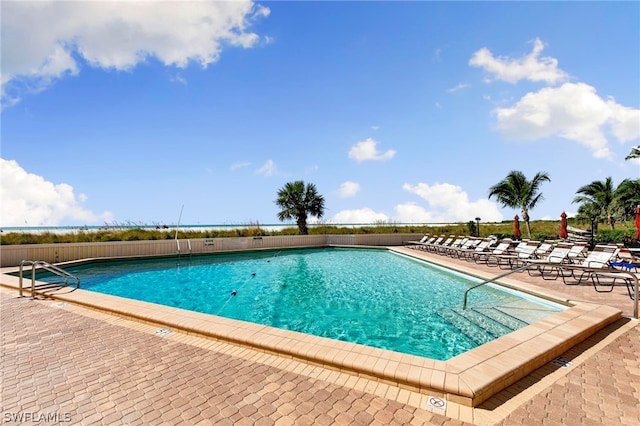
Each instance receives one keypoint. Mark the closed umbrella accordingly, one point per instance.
(563, 226)
(516, 227)
(637, 212)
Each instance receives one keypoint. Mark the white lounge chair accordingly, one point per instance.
(469, 243)
(451, 243)
(544, 248)
(599, 259)
(420, 241)
(523, 252)
(624, 261)
(501, 249)
(483, 246)
(578, 252)
(551, 262)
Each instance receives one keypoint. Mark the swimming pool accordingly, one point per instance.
(373, 297)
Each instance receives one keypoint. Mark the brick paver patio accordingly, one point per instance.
(58, 363)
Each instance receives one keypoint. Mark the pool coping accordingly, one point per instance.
(467, 379)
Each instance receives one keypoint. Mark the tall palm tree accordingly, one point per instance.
(635, 153)
(601, 195)
(627, 197)
(516, 191)
(587, 211)
(298, 201)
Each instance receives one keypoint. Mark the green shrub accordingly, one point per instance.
(614, 236)
(541, 236)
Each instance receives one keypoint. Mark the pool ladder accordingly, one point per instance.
(180, 252)
(41, 264)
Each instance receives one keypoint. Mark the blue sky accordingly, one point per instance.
(397, 111)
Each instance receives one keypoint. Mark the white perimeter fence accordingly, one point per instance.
(12, 255)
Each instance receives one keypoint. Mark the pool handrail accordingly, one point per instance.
(490, 280)
(634, 277)
(48, 267)
(631, 275)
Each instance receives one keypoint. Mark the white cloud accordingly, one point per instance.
(531, 67)
(448, 203)
(269, 168)
(411, 212)
(42, 40)
(30, 200)
(364, 215)
(458, 87)
(349, 189)
(239, 165)
(178, 78)
(366, 150)
(624, 121)
(437, 54)
(572, 111)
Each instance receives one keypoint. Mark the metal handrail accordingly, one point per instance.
(522, 268)
(629, 274)
(48, 267)
(24, 262)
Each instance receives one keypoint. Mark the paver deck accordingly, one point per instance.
(80, 366)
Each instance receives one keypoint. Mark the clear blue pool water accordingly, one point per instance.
(373, 297)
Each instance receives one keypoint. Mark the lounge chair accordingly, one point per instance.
(468, 244)
(578, 252)
(502, 248)
(551, 262)
(543, 249)
(599, 259)
(523, 251)
(420, 241)
(613, 277)
(432, 242)
(483, 246)
(423, 245)
(436, 247)
(624, 261)
(451, 243)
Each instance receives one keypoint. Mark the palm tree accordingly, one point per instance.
(298, 201)
(586, 212)
(516, 191)
(627, 197)
(635, 153)
(601, 195)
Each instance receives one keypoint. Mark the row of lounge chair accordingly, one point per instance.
(572, 262)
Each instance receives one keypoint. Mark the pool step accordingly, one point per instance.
(503, 317)
(523, 311)
(482, 324)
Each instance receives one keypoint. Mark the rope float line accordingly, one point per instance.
(235, 292)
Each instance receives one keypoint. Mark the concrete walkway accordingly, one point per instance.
(64, 364)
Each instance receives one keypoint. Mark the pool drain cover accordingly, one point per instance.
(561, 362)
(162, 332)
(437, 403)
